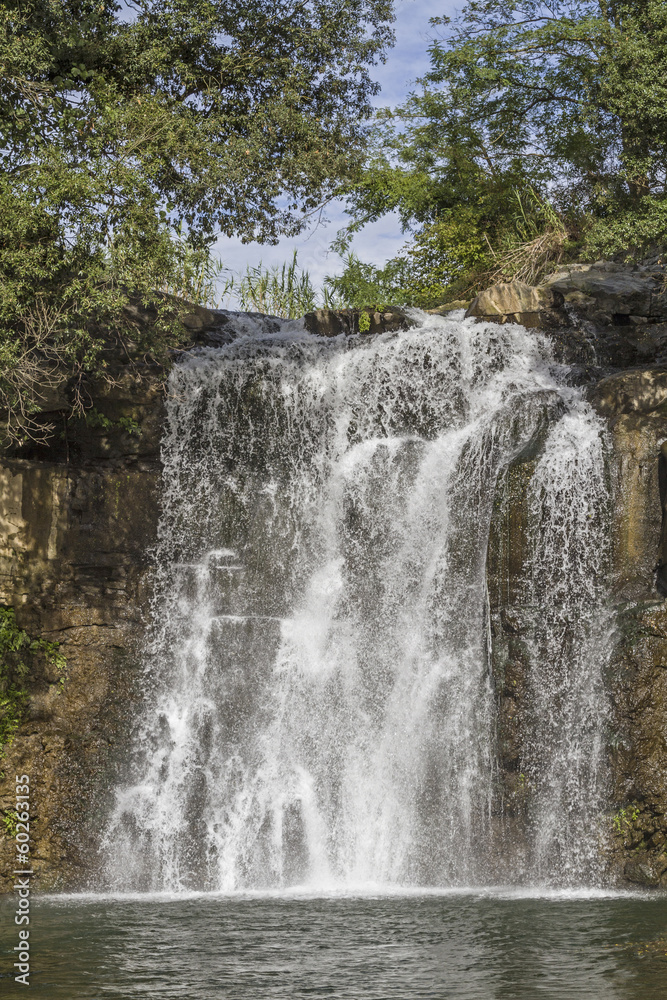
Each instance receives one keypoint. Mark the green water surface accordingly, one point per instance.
(472, 945)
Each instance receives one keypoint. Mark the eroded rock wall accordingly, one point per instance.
(609, 326)
(634, 406)
(76, 525)
(635, 828)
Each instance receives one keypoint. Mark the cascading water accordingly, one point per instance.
(570, 643)
(322, 710)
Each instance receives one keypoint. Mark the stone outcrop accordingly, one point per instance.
(600, 314)
(516, 302)
(634, 405)
(605, 293)
(639, 750)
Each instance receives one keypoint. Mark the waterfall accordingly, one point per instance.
(320, 707)
(569, 644)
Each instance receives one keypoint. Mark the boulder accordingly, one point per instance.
(642, 872)
(630, 392)
(512, 300)
(607, 290)
(604, 294)
(327, 323)
(448, 307)
(334, 322)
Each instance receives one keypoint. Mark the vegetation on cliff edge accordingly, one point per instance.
(132, 135)
(539, 133)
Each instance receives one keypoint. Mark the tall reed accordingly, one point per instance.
(286, 291)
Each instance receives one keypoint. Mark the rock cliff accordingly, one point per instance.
(76, 531)
(610, 324)
(77, 521)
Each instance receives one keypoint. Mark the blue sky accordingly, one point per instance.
(380, 241)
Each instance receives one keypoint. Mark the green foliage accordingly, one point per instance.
(642, 227)
(444, 259)
(540, 132)
(16, 646)
(197, 278)
(285, 291)
(362, 284)
(99, 421)
(9, 823)
(128, 144)
(364, 322)
(130, 426)
(624, 818)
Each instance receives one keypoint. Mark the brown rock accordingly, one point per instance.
(513, 298)
(73, 563)
(448, 307)
(327, 323)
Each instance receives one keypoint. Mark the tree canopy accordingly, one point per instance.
(132, 135)
(534, 117)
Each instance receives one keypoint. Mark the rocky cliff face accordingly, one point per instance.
(77, 524)
(77, 521)
(610, 323)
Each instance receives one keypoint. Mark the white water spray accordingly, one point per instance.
(321, 708)
(570, 644)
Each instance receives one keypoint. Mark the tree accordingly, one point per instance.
(535, 118)
(132, 135)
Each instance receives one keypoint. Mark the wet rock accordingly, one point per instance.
(637, 677)
(327, 323)
(511, 621)
(333, 323)
(610, 324)
(661, 566)
(638, 687)
(642, 873)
